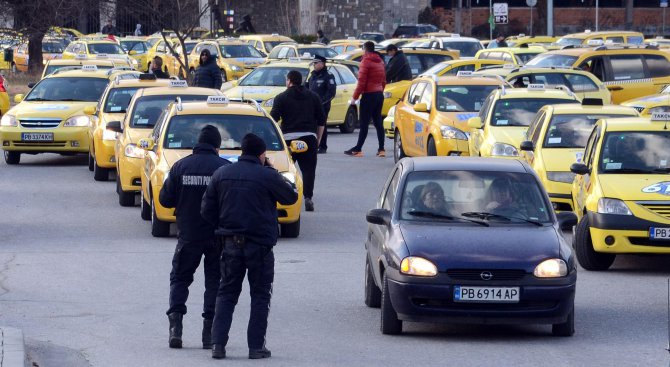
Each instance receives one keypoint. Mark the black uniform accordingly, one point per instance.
(241, 201)
(160, 74)
(323, 84)
(398, 68)
(208, 74)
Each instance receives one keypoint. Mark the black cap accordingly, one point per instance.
(210, 135)
(319, 58)
(391, 47)
(253, 145)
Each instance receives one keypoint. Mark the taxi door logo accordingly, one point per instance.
(662, 188)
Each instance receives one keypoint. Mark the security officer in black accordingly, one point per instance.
(322, 82)
(241, 201)
(183, 190)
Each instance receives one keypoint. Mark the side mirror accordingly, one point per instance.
(146, 143)
(579, 168)
(378, 216)
(90, 110)
(132, 52)
(114, 126)
(475, 122)
(18, 98)
(298, 146)
(30, 85)
(566, 220)
(420, 107)
(527, 146)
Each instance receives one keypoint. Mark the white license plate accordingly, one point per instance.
(37, 137)
(659, 233)
(486, 294)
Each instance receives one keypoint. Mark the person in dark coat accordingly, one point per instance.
(109, 28)
(183, 190)
(322, 82)
(246, 26)
(241, 202)
(397, 68)
(321, 38)
(208, 74)
(157, 68)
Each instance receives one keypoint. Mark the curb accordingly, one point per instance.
(12, 350)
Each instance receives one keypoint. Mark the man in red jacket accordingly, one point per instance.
(370, 88)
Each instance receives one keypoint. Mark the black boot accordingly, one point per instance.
(218, 351)
(175, 329)
(206, 334)
(259, 353)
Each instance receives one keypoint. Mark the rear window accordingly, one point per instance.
(625, 67)
(321, 51)
(635, 40)
(105, 48)
(522, 59)
(147, 109)
(658, 65)
(467, 49)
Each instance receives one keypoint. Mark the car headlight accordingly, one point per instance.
(133, 151)
(77, 121)
(449, 132)
(566, 177)
(269, 103)
(659, 109)
(235, 68)
(418, 266)
(289, 176)
(613, 206)
(552, 268)
(388, 95)
(108, 135)
(504, 150)
(391, 112)
(8, 120)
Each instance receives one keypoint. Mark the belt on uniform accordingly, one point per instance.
(239, 240)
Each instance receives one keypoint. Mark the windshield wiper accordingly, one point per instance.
(424, 214)
(71, 100)
(629, 170)
(487, 216)
(37, 99)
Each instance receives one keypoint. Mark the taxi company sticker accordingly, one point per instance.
(418, 127)
(662, 188)
(115, 109)
(502, 122)
(579, 156)
(51, 108)
(554, 140)
(174, 145)
(230, 157)
(256, 90)
(613, 166)
(465, 116)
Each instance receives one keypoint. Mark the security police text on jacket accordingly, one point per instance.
(208, 74)
(398, 67)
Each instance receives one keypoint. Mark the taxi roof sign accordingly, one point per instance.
(594, 42)
(509, 66)
(178, 84)
(80, 57)
(536, 87)
(464, 73)
(218, 100)
(102, 56)
(660, 116)
(89, 68)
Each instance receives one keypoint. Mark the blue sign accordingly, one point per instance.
(662, 188)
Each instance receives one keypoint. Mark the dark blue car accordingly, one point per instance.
(468, 240)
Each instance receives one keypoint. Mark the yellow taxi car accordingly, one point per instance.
(658, 41)
(583, 38)
(268, 80)
(505, 116)
(97, 48)
(177, 132)
(419, 59)
(51, 49)
(627, 71)
(234, 57)
(556, 138)
(620, 193)
(292, 49)
(112, 107)
(4, 96)
(137, 49)
(649, 105)
(101, 64)
(523, 40)
(141, 115)
(514, 55)
(345, 45)
(431, 119)
(54, 116)
(160, 48)
(172, 62)
(265, 42)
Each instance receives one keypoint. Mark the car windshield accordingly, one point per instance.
(418, 63)
(467, 49)
(644, 152)
(104, 48)
(238, 51)
(572, 131)
(547, 60)
(436, 69)
(271, 76)
(118, 99)
(269, 45)
(189, 46)
(502, 198)
(68, 89)
(183, 130)
(132, 45)
(147, 109)
(520, 111)
(326, 52)
(522, 59)
(51, 68)
(52, 47)
(568, 41)
(462, 98)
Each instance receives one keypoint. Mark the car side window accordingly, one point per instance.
(160, 47)
(615, 39)
(290, 52)
(506, 56)
(197, 49)
(596, 66)
(635, 40)
(536, 127)
(484, 111)
(627, 67)
(657, 65)
(415, 97)
(389, 197)
(336, 73)
(347, 75)
(591, 147)
(427, 95)
(581, 83)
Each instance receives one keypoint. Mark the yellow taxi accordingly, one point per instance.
(659, 41)
(101, 64)
(112, 107)
(583, 38)
(4, 96)
(70, 32)
(51, 49)
(172, 62)
(137, 49)
(177, 132)
(97, 48)
(523, 40)
(234, 57)
(265, 42)
(556, 138)
(268, 80)
(160, 48)
(345, 45)
(514, 55)
(292, 49)
(620, 193)
(627, 71)
(649, 105)
(505, 116)
(141, 115)
(431, 119)
(55, 115)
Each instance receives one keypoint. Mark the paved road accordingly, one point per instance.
(88, 284)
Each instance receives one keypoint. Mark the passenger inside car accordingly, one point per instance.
(432, 199)
(501, 198)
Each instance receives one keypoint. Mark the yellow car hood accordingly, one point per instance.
(458, 120)
(398, 89)
(50, 109)
(631, 187)
(245, 62)
(259, 93)
(560, 159)
(512, 135)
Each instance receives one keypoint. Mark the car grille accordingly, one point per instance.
(638, 108)
(476, 274)
(661, 208)
(646, 241)
(38, 123)
(19, 143)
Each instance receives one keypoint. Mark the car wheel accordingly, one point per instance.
(290, 230)
(398, 151)
(91, 162)
(12, 157)
(588, 258)
(431, 149)
(373, 296)
(125, 198)
(145, 208)
(100, 173)
(158, 227)
(349, 124)
(390, 324)
(566, 328)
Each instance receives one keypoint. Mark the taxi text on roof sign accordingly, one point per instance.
(661, 116)
(80, 57)
(464, 73)
(89, 68)
(101, 56)
(535, 86)
(217, 100)
(178, 83)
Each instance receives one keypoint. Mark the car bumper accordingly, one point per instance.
(626, 234)
(129, 170)
(389, 129)
(70, 139)
(452, 147)
(104, 153)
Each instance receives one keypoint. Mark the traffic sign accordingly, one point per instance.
(531, 3)
(501, 19)
(500, 9)
(664, 3)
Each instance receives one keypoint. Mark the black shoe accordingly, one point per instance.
(353, 152)
(175, 329)
(322, 151)
(309, 205)
(218, 351)
(206, 334)
(259, 353)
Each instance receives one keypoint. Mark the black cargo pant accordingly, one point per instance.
(323, 144)
(371, 109)
(185, 262)
(259, 262)
(307, 163)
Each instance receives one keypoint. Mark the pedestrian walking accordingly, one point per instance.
(398, 67)
(138, 30)
(241, 201)
(208, 74)
(302, 118)
(370, 88)
(157, 68)
(322, 82)
(246, 26)
(183, 190)
(109, 28)
(321, 38)
(499, 41)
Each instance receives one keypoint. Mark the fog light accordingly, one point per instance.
(137, 182)
(609, 240)
(5, 143)
(112, 160)
(455, 154)
(75, 143)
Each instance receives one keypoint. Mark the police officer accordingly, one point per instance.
(183, 190)
(322, 82)
(241, 201)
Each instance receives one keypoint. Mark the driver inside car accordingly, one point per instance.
(432, 200)
(501, 198)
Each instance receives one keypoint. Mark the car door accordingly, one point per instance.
(582, 183)
(378, 234)
(408, 127)
(346, 83)
(626, 78)
(422, 120)
(21, 58)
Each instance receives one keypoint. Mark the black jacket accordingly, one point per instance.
(398, 68)
(184, 188)
(160, 74)
(107, 29)
(242, 199)
(323, 84)
(299, 109)
(208, 75)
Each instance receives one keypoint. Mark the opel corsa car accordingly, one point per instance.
(468, 240)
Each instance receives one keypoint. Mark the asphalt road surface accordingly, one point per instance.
(88, 285)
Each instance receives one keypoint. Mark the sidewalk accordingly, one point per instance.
(12, 352)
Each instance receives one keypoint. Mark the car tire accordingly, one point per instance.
(390, 324)
(12, 157)
(431, 149)
(350, 120)
(566, 328)
(373, 296)
(398, 151)
(125, 198)
(145, 208)
(159, 228)
(588, 258)
(100, 173)
(290, 230)
(91, 162)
